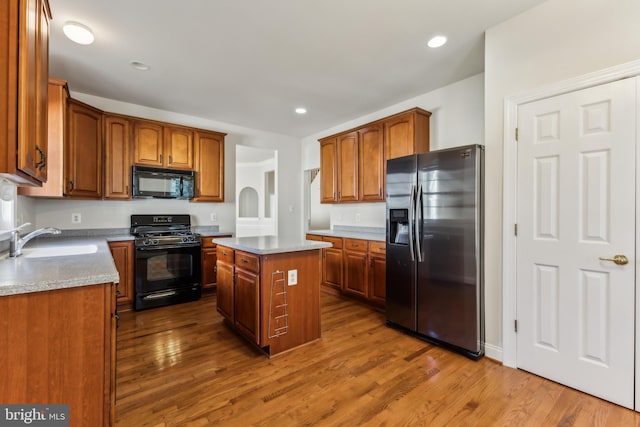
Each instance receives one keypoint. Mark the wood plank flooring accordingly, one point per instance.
(181, 366)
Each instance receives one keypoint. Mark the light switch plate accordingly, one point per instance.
(214, 216)
(293, 277)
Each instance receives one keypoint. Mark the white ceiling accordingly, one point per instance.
(252, 62)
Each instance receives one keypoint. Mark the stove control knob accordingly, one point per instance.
(154, 242)
(145, 242)
(192, 238)
(183, 239)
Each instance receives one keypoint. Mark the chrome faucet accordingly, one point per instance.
(16, 243)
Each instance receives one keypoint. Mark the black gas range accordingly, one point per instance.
(167, 260)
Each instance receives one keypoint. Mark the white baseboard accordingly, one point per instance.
(493, 352)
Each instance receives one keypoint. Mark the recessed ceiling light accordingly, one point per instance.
(139, 65)
(301, 110)
(437, 41)
(78, 33)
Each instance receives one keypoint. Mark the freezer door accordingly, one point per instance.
(401, 267)
(449, 289)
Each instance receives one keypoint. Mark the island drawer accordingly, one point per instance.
(225, 254)
(248, 261)
(356, 245)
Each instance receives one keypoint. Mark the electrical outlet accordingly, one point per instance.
(76, 218)
(214, 216)
(357, 217)
(293, 277)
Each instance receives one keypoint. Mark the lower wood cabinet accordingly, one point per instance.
(354, 267)
(59, 347)
(123, 257)
(254, 297)
(209, 260)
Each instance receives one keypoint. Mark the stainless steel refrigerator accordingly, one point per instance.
(434, 285)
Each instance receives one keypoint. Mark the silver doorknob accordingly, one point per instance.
(618, 259)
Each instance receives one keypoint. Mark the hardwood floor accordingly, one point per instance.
(181, 366)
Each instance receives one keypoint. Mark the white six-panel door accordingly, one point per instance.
(576, 205)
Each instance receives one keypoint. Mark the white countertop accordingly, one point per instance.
(264, 245)
(351, 234)
(21, 275)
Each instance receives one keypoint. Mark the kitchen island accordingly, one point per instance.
(268, 290)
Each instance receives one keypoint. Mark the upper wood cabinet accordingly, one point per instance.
(329, 170)
(406, 133)
(161, 145)
(83, 151)
(372, 166)
(353, 163)
(117, 157)
(57, 113)
(209, 166)
(24, 53)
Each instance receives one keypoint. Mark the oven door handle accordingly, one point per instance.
(159, 248)
(159, 295)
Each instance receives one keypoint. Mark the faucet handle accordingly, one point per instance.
(17, 229)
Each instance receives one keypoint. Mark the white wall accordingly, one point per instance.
(555, 41)
(457, 119)
(253, 175)
(116, 214)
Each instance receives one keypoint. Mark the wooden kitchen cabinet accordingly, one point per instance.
(372, 163)
(377, 273)
(83, 151)
(355, 267)
(209, 166)
(60, 348)
(332, 261)
(123, 257)
(209, 261)
(329, 170)
(406, 133)
(117, 157)
(24, 75)
(267, 311)
(348, 162)
(162, 145)
(56, 131)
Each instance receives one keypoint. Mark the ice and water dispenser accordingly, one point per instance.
(399, 226)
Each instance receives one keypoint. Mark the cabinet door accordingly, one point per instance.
(178, 147)
(209, 167)
(117, 159)
(399, 136)
(355, 273)
(247, 304)
(328, 171)
(148, 143)
(33, 75)
(122, 253)
(209, 259)
(372, 163)
(224, 290)
(83, 151)
(377, 278)
(348, 167)
(332, 268)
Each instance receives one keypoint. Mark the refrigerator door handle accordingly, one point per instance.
(411, 218)
(418, 221)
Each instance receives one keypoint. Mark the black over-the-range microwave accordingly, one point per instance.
(162, 183)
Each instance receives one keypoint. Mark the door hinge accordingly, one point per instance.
(516, 134)
(515, 229)
(515, 326)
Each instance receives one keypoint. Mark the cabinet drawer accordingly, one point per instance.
(355, 245)
(336, 241)
(208, 242)
(314, 237)
(377, 247)
(225, 254)
(248, 261)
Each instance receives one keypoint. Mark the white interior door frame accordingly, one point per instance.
(509, 185)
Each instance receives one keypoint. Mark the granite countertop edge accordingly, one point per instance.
(21, 275)
(267, 245)
(379, 236)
